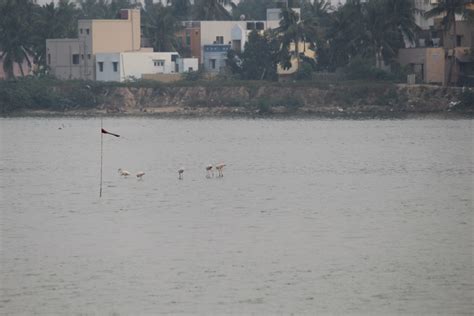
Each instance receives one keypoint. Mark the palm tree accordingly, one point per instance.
(387, 24)
(160, 26)
(213, 9)
(318, 9)
(448, 9)
(181, 8)
(53, 21)
(103, 9)
(16, 30)
(293, 31)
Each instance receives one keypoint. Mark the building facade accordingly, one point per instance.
(75, 58)
(431, 63)
(215, 57)
(135, 65)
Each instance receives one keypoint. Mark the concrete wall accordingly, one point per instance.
(114, 35)
(162, 77)
(432, 60)
(188, 64)
(108, 73)
(435, 66)
(59, 57)
(463, 29)
(132, 65)
(215, 55)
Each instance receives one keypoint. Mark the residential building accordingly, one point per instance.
(431, 64)
(197, 34)
(215, 56)
(75, 58)
(209, 41)
(134, 65)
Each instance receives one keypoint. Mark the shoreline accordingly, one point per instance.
(242, 113)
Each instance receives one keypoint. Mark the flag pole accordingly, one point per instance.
(101, 153)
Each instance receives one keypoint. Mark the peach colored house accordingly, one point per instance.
(75, 58)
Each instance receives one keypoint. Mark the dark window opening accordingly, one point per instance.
(212, 63)
(115, 65)
(174, 57)
(260, 26)
(250, 25)
(87, 31)
(80, 31)
(459, 40)
(219, 39)
(101, 66)
(75, 59)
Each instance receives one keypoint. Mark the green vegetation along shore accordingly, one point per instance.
(222, 97)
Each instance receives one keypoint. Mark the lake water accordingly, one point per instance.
(338, 217)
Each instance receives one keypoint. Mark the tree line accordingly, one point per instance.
(366, 32)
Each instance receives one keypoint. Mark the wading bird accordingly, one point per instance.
(124, 173)
(180, 173)
(209, 171)
(140, 174)
(219, 168)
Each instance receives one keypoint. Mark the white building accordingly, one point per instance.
(133, 65)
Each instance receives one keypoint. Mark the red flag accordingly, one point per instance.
(105, 132)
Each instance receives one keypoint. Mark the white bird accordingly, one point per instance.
(180, 173)
(140, 174)
(124, 173)
(209, 171)
(219, 168)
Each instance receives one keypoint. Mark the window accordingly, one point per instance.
(212, 63)
(89, 56)
(190, 69)
(49, 59)
(115, 65)
(80, 31)
(87, 31)
(459, 40)
(188, 39)
(219, 39)
(260, 26)
(250, 25)
(75, 59)
(174, 58)
(159, 63)
(101, 66)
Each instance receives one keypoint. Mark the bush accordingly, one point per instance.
(360, 68)
(305, 72)
(467, 99)
(193, 75)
